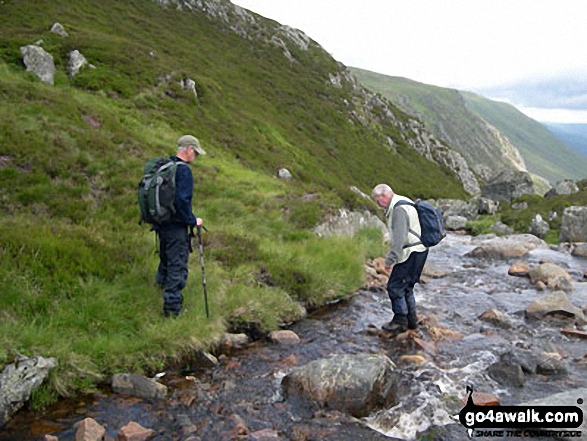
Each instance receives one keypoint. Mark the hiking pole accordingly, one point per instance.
(202, 265)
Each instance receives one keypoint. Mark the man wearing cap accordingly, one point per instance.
(174, 239)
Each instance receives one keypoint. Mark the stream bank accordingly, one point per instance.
(241, 396)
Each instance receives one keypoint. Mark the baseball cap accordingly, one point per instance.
(189, 140)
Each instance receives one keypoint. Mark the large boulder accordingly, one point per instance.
(574, 225)
(19, 380)
(348, 223)
(552, 275)
(354, 384)
(556, 303)
(38, 62)
(567, 186)
(508, 185)
(507, 247)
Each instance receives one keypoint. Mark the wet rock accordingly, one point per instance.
(580, 250)
(355, 384)
(496, 317)
(134, 432)
(527, 360)
(38, 62)
(418, 359)
(89, 430)
(138, 386)
(519, 268)
(568, 398)
(284, 337)
(483, 399)
(507, 247)
(555, 303)
(552, 275)
(551, 365)
(508, 373)
(51, 438)
(234, 340)
(435, 271)
(265, 435)
(19, 380)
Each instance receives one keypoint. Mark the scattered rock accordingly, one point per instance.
(550, 365)
(501, 229)
(507, 372)
(539, 227)
(580, 250)
(264, 435)
(520, 268)
(284, 337)
(355, 384)
(19, 380)
(556, 303)
(574, 225)
(89, 430)
(58, 29)
(483, 399)
(284, 173)
(75, 63)
(497, 318)
(453, 223)
(134, 432)
(566, 186)
(39, 62)
(552, 275)
(138, 386)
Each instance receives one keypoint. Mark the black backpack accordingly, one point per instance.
(156, 191)
(431, 223)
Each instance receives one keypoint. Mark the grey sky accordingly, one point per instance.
(527, 52)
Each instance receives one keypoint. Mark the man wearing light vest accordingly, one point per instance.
(405, 259)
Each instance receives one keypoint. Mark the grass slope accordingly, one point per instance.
(76, 268)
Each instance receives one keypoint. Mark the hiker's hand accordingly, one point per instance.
(199, 222)
(388, 268)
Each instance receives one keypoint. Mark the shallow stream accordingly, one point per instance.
(242, 395)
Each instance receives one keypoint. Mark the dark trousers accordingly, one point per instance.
(400, 287)
(172, 274)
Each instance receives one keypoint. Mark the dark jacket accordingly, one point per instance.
(184, 188)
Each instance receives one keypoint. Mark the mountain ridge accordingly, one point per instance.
(465, 119)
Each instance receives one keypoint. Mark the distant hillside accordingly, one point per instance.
(573, 135)
(485, 132)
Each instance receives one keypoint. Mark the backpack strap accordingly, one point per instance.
(399, 203)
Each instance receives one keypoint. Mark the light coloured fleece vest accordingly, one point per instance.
(414, 226)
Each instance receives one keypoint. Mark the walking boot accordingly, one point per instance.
(398, 325)
(412, 321)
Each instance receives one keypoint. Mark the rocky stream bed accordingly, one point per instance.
(479, 326)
